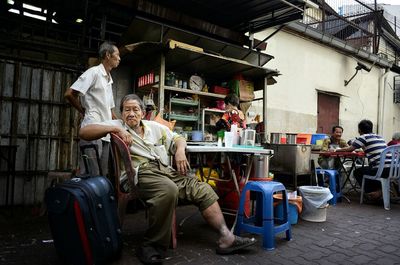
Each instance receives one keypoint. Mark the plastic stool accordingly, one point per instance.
(334, 183)
(263, 222)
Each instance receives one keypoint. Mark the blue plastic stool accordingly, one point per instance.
(334, 183)
(263, 222)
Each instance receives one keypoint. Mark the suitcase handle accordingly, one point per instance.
(85, 157)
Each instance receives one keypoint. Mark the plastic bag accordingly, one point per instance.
(315, 196)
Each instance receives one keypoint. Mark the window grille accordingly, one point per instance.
(396, 91)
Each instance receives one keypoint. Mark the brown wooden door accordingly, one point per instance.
(328, 112)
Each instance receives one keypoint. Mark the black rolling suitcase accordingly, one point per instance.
(83, 220)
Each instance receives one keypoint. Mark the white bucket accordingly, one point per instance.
(314, 203)
(317, 215)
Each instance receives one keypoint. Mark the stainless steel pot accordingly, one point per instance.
(291, 138)
(291, 159)
(275, 138)
(260, 168)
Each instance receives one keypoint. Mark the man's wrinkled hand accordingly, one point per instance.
(181, 163)
(126, 137)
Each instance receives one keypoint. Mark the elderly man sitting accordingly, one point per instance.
(160, 185)
(335, 141)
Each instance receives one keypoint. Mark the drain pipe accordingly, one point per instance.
(381, 102)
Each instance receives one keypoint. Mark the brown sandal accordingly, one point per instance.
(149, 255)
(238, 243)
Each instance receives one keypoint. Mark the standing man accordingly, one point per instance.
(373, 145)
(92, 96)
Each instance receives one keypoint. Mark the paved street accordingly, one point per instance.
(352, 234)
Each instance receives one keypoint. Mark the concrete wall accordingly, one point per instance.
(306, 67)
(123, 84)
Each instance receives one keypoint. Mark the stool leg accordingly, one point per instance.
(289, 230)
(238, 226)
(240, 213)
(289, 234)
(268, 223)
(259, 215)
(332, 188)
(268, 235)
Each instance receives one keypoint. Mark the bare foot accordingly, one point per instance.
(375, 195)
(226, 241)
(238, 244)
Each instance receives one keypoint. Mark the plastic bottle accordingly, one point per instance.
(234, 129)
(220, 135)
(219, 142)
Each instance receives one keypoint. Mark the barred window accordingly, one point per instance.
(396, 91)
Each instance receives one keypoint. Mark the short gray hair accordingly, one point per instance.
(132, 97)
(106, 47)
(396, 136)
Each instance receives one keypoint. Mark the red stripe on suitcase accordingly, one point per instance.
(82, 233)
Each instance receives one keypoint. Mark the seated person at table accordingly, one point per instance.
(232, 115)
(395, 139)
(373, 145)
(160, 185)
(330, 144)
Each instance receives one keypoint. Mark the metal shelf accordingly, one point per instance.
(187, 60)
(180, 117)
(184, 102)
(213, 110)
(189, 91)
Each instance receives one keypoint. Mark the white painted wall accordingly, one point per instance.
(307, 66)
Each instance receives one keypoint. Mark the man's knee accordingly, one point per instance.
(206, 196)
(170, 191)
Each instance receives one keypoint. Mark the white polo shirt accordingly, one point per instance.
(95, 87)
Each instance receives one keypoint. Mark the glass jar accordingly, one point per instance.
(170, 79)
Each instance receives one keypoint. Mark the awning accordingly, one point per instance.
(220, 19)
(151, 32)
(181, 57)
(239, 15)
(223, 20)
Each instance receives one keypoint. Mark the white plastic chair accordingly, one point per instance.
(394, 174)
